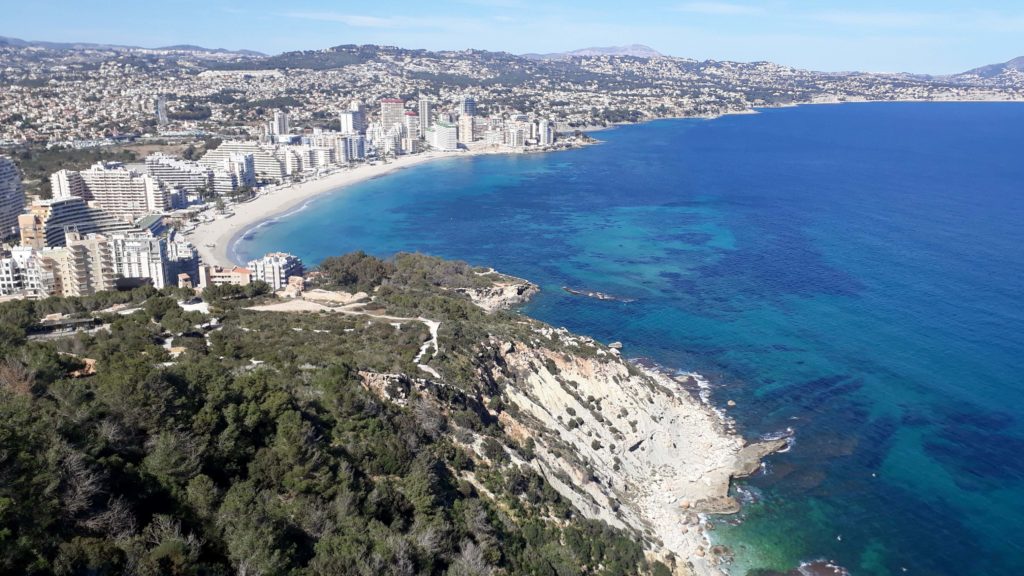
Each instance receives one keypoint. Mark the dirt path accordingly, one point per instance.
(356, 310)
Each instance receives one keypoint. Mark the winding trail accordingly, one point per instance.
(356, 309)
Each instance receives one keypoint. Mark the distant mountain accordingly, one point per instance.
(993, 70)
(8, 41)
(194, 48)
(636, 50)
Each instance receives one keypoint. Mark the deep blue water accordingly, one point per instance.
(855, 272)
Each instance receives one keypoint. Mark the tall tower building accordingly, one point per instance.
(358, 117)
(412, 125)
(467, 129)
(352, 122)
(424, 107)
(468, 106)
(12, 197)
(392, 111)
(545, 133)
(280, 125)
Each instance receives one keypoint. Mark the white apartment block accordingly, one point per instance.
(23, 274)
(265, 163)
(443, 136)
(355, 148)
(515, 136)
(352, 121)
(235, 171)
(139, 255)
(177, 173)
(125, 193)
(68, 183)
(275, 268)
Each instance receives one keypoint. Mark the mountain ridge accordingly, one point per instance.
(992, 70)
(18, 42)
(635, 50)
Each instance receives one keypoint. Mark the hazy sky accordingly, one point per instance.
(933, 36)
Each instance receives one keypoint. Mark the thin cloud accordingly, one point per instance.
(719, 9)
(882, 19)
(354, 20)
(495, 3)
(403, 23)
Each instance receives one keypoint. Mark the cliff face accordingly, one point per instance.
(625, 445)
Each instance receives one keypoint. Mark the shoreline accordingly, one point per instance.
(215, 240)
(224, 233)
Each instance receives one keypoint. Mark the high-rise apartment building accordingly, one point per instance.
(12, 197)
(139, 255)
(67, 183)
(412, 125)
(280, 124)
(392, 111)
(424, 106)
(467, 129)
(356, 118)
(125, 193)
(87, 268)
(266, 165)
(545, 133)
(44, 224)
(467, 106)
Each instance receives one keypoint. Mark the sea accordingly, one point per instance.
(852, 272)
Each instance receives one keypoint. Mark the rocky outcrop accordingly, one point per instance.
(624, 444)
(504, 293)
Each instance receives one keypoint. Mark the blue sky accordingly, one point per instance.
(936, 36)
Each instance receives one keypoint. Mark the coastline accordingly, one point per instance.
(214, 239)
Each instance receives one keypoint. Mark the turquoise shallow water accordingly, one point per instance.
(854, 272)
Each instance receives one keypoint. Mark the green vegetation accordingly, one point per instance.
(190, 111)
(37, 163)
(247, 442)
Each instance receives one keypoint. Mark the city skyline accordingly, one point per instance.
(923, 37)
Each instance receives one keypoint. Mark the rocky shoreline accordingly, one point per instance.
(624, 443)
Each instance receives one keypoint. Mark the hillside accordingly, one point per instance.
(382, 424)
(115, 89)
(994, 70)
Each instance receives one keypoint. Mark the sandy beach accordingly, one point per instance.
(213, 239)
